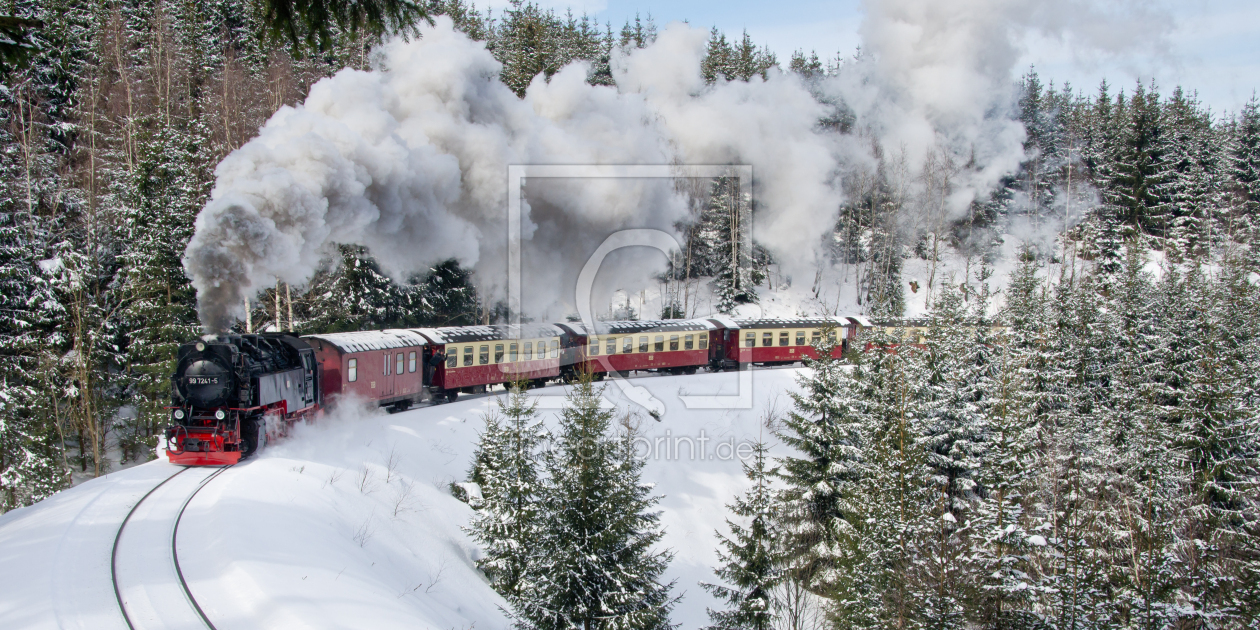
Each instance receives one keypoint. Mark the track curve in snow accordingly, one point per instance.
(147, 578)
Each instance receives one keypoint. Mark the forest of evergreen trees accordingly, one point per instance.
(1095, 469)
(1094, 463)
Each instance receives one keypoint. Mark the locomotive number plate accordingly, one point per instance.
(203, 380)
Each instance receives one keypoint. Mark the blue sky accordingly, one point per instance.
(1212, 46)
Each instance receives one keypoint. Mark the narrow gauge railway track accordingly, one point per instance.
(148, 580)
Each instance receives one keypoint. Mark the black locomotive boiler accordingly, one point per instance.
(231, 393)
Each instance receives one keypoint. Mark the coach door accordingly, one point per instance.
(387, 376)
(426, 362)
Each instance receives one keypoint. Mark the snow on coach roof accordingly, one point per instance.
(627, 327)
(466, 334)
(796, 322)
(365, 340)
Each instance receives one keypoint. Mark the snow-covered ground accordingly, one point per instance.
(322, 531)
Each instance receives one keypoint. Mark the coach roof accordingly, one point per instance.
(367, 340)
(796, 322)
(638, 326)
(498, 332)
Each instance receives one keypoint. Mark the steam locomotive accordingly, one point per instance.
(233, 393)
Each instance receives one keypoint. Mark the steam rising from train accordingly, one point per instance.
(410, 159)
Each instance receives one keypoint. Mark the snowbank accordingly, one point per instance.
(350, 523)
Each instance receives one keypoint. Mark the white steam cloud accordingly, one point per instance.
(410, 159)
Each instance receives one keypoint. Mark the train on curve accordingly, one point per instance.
(233, 393)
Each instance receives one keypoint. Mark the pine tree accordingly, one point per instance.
(1072, 466)
(893, 523)
(354, 295)
(1217, 434)
(1186, 181)
(1146, 483)
(808, 67)
(447, 297)
(1139, 171)
(953, 434)
(1244, 162)
(750, 567)
(718, 62)
(506, 468)
(1001, 540)
(719, 247)
(819, 484)
(593, 563)
(169, 186)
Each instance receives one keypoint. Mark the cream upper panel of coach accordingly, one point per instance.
(775, 337)
(649, 341)
(501, 351)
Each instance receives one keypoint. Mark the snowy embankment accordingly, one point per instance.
(350, 523)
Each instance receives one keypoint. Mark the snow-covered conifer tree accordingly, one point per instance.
(506, 468)
(751, 568)
(819, 484)
(1244, 161)
(953, 435)
(593, 565)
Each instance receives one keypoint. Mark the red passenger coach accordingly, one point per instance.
(669, 345)
(782, 341)
(385, 367)
(468, 358)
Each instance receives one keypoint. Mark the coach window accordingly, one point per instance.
(704, 341)
(498, 353)
(643, 344)
(555, 348)
(594, 346)
(611, 346)
(750, 340)
(352, 370)
(800, 337)
(529, 351)
(660, 343)
(513, 353)
(831, 337)
(689, 342)
(673, 342)
(468, 356)
(767, 339)
(411, 361)
(783, 338)
(815, 338)
(483, 357)
(627, 345)
(452, 359)
(398, 363)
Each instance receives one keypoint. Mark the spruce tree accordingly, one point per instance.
(593, 563)
(160, 313)
(893, 523)
(1217, 435)
(819, 484)
(750, 568)
(953, 434)
(506, 467)
(1244, 162)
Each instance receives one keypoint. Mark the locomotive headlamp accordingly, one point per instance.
(179, 414)
(220, 415)
(201, 347)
